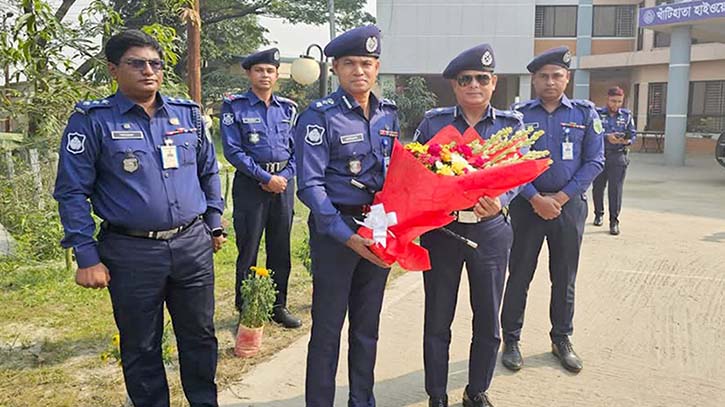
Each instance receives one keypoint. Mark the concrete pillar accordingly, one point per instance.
(524, 87)
(583, 47)
(678, 92)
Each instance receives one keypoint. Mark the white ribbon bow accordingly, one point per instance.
(379, 221)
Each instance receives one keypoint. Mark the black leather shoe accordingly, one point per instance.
(282, 316)
(614, 229)
(438, 401)
(598, 220)
(479, 400)
(568, 358)
(511, 357)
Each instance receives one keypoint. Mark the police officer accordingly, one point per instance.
(473, 82)
(150, 172)
(256, 130)
(344, 140)
(619, 134)
(553, 206)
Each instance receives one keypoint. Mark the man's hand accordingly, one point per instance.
(561, 198)
(360, 245)
(614, 138)
(546, 207)
(275, 185)
(218, 242)
(93, 277)
(487, 207)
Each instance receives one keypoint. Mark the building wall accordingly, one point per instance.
(422, 36)
(609, 46)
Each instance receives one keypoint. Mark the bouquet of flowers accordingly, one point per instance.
(426, 183)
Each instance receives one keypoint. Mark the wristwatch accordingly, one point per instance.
(218, 232)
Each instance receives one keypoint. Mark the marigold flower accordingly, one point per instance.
(260, 271)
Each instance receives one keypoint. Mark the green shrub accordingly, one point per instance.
(259, 292)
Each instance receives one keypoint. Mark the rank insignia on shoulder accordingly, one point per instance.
(314, 134)
(76, 143)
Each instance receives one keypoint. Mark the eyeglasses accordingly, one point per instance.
(140, 64)
(465, 80)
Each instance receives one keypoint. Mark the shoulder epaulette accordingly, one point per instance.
(287, 100)
(519, 105)
(584, 103)
(513, 114)
(438, 111)
(87, 105)
(323, 104)
(234, 96)
(180, 101)
(388, 102)
(629, 112)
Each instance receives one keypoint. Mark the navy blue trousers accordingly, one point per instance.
(486, 268)
(343, 282)
(145, 274)
(615, 169)
(563, 237)
(257, 211)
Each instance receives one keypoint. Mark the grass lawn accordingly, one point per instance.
(53, 332)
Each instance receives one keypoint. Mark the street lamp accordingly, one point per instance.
(306, 70)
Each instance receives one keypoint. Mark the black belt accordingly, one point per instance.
(352, 210)
(273, 166)
(148, 234)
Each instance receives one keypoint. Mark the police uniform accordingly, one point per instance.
(155, 184)
(258, 141)
(335, 144)
(615, 163)
(573, 136)
(486, 265)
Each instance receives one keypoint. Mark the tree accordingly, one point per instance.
(413, 99)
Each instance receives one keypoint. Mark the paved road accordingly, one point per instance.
(650, 318)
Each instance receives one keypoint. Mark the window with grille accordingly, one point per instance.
(656, 106)
(706, 112)
(614, 21)
(555, 21)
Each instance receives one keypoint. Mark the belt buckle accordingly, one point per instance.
(467, 217)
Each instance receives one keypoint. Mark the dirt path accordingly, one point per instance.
(649, 324)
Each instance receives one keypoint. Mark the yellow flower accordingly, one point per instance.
(446, 156)
(116, 341)
(416, 148)
(445, 170)
(260, 271)
(104, 357)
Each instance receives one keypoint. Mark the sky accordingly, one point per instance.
(293, 40)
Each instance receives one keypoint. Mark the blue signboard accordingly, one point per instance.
(681, 12)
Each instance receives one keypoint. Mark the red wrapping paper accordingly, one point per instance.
(423, 200)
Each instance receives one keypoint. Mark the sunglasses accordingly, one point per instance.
(140, 64)
(465, 80)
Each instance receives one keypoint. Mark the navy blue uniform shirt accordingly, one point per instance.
(334, 144)
(574, 121)
(620, 122)
(254, 133)
(110, 153)
(491, 122)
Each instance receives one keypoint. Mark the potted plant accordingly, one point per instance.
(258, 291)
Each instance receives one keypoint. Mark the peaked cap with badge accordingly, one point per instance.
(560, 56)
(478, 58)
(269, 56)
(361, 41)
